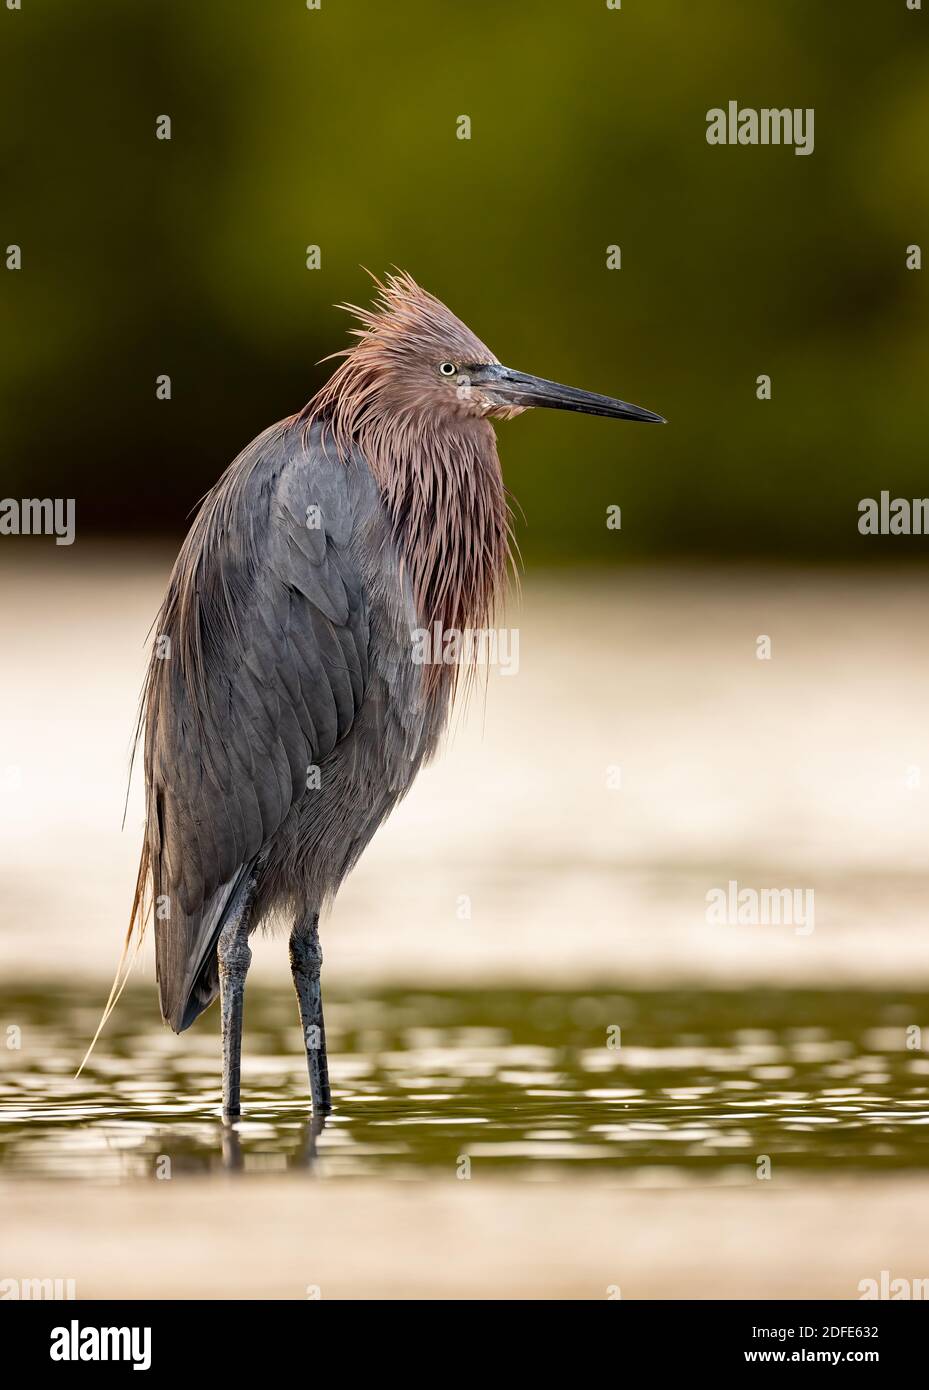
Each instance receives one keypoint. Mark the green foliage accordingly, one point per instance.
(337, 127)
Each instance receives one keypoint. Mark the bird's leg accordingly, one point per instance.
(234, 956)
(306, 959)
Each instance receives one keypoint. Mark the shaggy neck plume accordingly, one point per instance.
(450, 521)
(443, 489)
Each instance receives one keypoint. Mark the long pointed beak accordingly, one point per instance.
(519, 388)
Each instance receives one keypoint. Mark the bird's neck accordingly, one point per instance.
(444, 491)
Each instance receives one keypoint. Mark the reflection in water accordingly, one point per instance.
(700, 1085)
(305, 1156)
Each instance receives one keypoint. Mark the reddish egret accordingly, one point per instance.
(285, 714)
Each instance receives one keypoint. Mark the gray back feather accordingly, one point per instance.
(260, 666)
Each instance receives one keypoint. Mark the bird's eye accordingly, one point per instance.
(447, 368)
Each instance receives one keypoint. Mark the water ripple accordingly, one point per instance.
(703, 1086)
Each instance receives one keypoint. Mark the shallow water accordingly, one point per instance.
(701, 1085)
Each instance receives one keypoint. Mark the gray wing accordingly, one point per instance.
(259, 667)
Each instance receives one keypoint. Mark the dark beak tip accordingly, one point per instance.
(528, 391)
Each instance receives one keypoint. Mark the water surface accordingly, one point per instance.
(701, 1085)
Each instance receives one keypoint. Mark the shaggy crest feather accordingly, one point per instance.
(434, 457)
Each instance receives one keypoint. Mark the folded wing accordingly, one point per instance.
(259, 667)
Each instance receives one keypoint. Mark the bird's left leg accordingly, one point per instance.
(306, 960)
(234, 957)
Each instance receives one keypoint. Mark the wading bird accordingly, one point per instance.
(284, 713)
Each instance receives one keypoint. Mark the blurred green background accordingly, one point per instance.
(337, 127)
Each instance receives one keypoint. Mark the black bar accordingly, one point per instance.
(209, 1338)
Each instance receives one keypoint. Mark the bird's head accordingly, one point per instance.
(414, 357)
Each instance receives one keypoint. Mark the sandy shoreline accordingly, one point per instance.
(280, 1237)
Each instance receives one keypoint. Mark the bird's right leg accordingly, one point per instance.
(234, 957)
(306, 960)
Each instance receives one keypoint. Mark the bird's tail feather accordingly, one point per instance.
(137, 918)
(188, 981)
